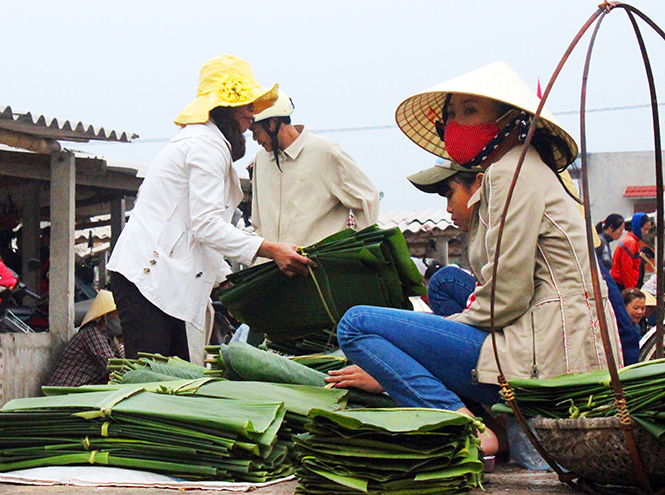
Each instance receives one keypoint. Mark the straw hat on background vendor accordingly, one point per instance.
(85, 359)
(544, 308)
(171, 253)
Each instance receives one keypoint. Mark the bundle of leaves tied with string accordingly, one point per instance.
(370, 267)
(191, 437)
(590, 395)
(242, 362)
(152, 368)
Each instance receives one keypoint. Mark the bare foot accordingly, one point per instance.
(489, 443)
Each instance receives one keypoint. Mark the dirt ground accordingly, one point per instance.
(506, 479)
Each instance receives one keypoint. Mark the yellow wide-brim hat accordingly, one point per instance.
(226, 81)
(416, 115)
(102, 305)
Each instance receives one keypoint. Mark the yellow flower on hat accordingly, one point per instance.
(226, 81)
(234, 88)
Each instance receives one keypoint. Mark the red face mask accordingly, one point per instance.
(464, 142)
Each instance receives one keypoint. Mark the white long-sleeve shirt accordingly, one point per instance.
(174, 244)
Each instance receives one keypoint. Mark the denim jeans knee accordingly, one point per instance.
(449, 289)
(422, 360)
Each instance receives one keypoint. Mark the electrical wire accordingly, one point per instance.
(393, 126)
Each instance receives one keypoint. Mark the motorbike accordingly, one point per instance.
(18, 317)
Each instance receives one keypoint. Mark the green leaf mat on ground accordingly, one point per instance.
(388, 451)
(590, 395)
(371, 267)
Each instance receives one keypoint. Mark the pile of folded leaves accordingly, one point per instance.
(370, 267)
(590, 395)
(242, 362)
(152, 368)
(190, 437)
(388, 451)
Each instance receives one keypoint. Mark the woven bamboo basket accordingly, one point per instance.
(596, 449)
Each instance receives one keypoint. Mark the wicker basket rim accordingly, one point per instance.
(576, 423)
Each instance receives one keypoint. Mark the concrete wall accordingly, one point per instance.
(26, 361)
(611, 173)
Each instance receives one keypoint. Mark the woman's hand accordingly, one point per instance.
(354, 376)
(286, 256)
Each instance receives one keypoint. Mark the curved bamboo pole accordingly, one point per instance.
(616, 384)
(660, 248)
(507, 392)
(622, 409)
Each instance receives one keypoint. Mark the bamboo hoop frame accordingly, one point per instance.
(623, 413)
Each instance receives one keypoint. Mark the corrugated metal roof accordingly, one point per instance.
(640, 192)
(51, 128)
(417, 221)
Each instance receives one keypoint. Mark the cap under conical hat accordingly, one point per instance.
(416, 115)
(102, 304)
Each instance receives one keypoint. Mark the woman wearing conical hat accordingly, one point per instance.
(544, 308)
(85, 359)
(171, 253)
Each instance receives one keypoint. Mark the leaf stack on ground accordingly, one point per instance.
(388, 451)
(242, 362)
(590, 395)
(194, 429)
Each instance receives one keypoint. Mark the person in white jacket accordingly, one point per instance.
(171, 253)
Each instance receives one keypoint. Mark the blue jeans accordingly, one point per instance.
(420, 359)
(449, 289)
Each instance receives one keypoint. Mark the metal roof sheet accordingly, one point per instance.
(417, 221)
(51, 128)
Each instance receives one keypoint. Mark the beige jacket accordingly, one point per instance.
(311, 197)
(544, 302)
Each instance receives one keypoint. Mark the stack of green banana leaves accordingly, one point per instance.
(242, 362)
(371, 267)
(152, 368)
(190, 437)
(323, 362)
(388, 451)
(591, 395)
(298, 399)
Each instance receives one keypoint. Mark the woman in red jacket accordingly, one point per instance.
(626, 260)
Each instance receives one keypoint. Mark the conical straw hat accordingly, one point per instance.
(102, 304)
(416, 115)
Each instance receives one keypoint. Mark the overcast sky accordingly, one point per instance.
(133, 65)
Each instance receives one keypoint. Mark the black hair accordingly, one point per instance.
(466, 179)
(613, 221)
(224, 119)
(629, 295)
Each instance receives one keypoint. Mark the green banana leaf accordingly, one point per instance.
(195, 437)
(371, 267)
(244, 362)
(591, 395)
(392, 451)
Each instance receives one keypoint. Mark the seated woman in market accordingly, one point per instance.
(85, 359)
(544, 309)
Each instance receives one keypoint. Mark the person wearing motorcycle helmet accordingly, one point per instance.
(304, 185)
